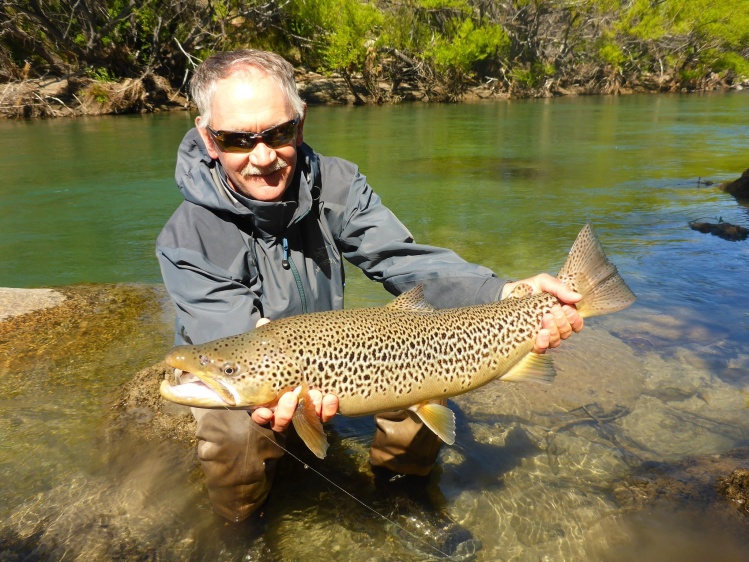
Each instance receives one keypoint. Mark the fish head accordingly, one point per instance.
(238, 372)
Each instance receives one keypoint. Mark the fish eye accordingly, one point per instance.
(230, 369)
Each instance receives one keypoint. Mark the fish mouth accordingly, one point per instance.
(200, 385)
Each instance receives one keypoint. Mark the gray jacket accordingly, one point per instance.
(228, 260)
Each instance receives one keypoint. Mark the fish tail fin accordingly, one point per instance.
(589, 272)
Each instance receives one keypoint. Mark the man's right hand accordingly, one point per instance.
(280, 416)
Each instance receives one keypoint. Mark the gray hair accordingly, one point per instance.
(220, 66)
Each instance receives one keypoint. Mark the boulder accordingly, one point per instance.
(739, 188)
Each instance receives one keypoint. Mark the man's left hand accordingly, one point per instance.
(560, 323)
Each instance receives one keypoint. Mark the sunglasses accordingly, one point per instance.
(274, 137)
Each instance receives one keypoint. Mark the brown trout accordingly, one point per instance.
(400, 356)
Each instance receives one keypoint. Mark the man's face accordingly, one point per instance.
(249, 101)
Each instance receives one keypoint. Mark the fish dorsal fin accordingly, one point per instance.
(308, 425)
(412, 301)
(534, 367)
(440, 419)
(520, 291)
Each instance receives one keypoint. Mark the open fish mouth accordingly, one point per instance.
(192, 387)
(184, 377)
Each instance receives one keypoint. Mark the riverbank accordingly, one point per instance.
(71, 96)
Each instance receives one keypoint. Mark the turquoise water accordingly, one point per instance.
(508, 185)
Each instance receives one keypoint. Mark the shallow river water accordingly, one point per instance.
(537, 473)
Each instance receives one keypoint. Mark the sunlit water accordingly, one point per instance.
(505, 184)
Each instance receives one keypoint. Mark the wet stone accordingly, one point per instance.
(735, 489)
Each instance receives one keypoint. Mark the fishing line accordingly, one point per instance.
(349, 494)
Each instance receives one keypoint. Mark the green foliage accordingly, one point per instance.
(352, 30)
(612, 54)
(100, 74)
(686, 34)
(341, 31)
(520, 42)
(464, 45)
(99, 93)
(731, 62)
(532, 77)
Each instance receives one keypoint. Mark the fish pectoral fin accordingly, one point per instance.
(440, 419)
(309, 427)
(534, 367)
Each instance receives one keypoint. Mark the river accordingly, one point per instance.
(508, 185)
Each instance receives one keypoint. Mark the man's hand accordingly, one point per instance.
(280, 416)
(562, 321)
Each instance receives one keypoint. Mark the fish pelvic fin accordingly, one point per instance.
(308, 425)
(589, 272)
(534, 367)
(411, 301)
(440, 419)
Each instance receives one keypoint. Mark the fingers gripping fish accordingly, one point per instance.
(400, 356)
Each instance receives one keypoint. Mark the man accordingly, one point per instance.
(261, 235)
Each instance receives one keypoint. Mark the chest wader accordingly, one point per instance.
(403, 444)
(240, 461)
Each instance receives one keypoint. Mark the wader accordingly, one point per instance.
(240, 462)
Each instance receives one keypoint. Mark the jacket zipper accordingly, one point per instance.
(288, 263)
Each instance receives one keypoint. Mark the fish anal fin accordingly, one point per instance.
(534, 367)
(308, 425)
(440, 419)
(412, 301)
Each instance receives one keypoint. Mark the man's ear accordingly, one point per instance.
(300, 127)
(208, 141)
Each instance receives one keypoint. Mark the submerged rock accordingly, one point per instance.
(721, 229)
(715, 483)
(739, 188)
(735, 489)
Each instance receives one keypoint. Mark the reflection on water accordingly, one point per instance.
(614, 461)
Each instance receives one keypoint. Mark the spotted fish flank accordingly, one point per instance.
(399, 356)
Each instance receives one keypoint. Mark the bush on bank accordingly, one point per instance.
(383, 51)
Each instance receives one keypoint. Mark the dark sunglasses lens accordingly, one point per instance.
(275, 137)
(237, 142)
(280, 136)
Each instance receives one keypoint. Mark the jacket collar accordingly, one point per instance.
(271, 219)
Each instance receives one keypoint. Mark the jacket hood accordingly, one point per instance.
(203, 182)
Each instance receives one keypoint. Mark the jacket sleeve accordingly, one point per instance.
(373, 239)
(210, 303)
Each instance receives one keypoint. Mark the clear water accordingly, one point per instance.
(505, 184)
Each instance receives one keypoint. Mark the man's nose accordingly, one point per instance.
(262, 155)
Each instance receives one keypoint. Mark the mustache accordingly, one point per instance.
(251, 170)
